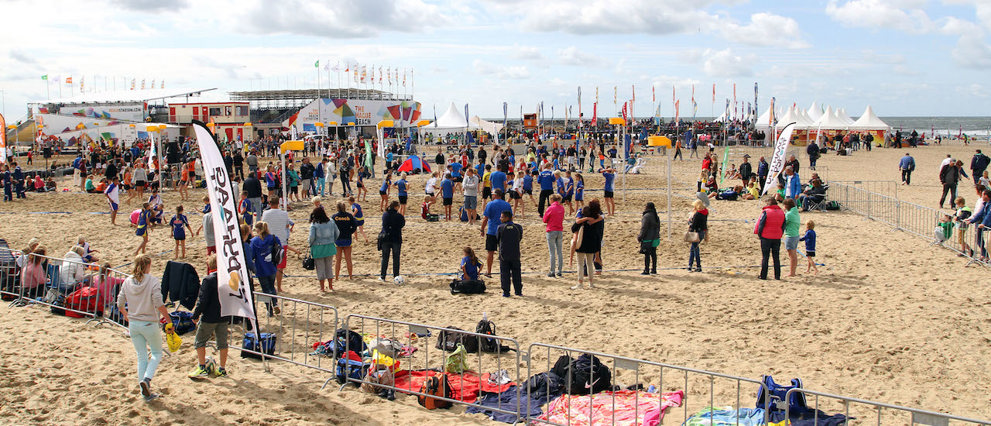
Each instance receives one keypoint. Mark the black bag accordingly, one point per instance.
(348, 340)
(448, 341)
(583, 376)
(467, 286)
(490, 345)
(308, 263)
(277, 252)
(251, 343)
(645, 247)
(832, 205)
(380, 240)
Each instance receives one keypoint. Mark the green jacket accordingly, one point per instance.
(792, 222)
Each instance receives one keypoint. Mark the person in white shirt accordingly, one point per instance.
(470, 185)
(431, 188)
(140, 302)
(278, 224)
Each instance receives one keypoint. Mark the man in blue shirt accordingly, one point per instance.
(401, 189)
(456, 171)
(498, 180)
(906, 165)
(546, 181)
(447, 193)
(610, 176)
(490, 223)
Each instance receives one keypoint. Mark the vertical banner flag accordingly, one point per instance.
(722, 170)
(653, 93)
(154, 150)
(624, 111)
(3, 140)
(233, 286)
(677, 111)
(713, 92)
(505, 113)
(68, 80)
(770, 122)
(522, 122)
(633, 90)
(595, 113)
(467, 120)
(734, 99)
(778, 159)
(615, 92)
(755, 100)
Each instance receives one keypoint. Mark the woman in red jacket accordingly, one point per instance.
(770, 227)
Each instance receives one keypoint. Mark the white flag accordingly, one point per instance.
(778, 159)
(233, 285)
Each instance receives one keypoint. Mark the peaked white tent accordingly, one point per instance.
(452, 120)
(842, 115)
(791, 116)
(869, 121)
(814, 111)
(490, 127)
(829, 121)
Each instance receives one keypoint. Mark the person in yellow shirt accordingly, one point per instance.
(487, 183)
(753, 190)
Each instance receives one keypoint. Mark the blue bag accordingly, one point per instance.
(182, 322)
(251, 343)
(349, 369)
(776, 394)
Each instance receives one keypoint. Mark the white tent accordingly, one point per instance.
(869, 121)
(790, 116)
(842, 115)
(829, 121)
(488, 126)
(451, 120)
(814, 111)
(764, 121)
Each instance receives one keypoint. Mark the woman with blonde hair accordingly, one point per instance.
(140, 302)
(699, 224)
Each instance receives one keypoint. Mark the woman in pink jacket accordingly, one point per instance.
(33, 276)
(554, 219)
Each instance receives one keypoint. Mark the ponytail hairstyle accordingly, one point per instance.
(141, 263)
(471, 255)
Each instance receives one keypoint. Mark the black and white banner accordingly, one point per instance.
(778, 159)
(233, 286)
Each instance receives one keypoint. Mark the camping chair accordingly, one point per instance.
(639, 165)
(816, 202)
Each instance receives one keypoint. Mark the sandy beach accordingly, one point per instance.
(888, 318)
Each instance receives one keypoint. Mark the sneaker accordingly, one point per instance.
(276, 310)
(221, 372)
(199, 373)
(145, 386)
(550, 275)
(577, 287)
(645, 273)
(382, 279)
(559, 274)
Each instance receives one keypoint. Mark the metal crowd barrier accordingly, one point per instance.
(427, 357)
(296, 328)
(912, 416)
(699, 386)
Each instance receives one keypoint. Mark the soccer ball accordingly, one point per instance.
(399, 280)
(211, 365)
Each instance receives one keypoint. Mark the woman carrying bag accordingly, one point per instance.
(323, 234)
(697, 231)
(649, 238)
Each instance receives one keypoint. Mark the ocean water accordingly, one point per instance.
(972, 126)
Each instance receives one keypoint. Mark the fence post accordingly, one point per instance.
(898, 215)
(868, 205)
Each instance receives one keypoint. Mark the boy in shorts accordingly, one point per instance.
(209, 323)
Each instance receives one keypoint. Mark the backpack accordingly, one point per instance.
(277, 251)
(467, 286)
(348, 340)
(350, 369)
(377, 378)
(487, 344)
(583, 376)
(266, 345)
(435, 386)
(776, 394)
(448, 341)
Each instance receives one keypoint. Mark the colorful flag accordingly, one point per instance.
(316, 64)
(3, 140)
(595, 112)
(233, 279)
(677, 111)
(133, 82)
(653, 93)
(633, 90)
(615, 98)
(162, 85)
(673, 94)
(624, 111)
(713, 92)
(142, 84)
(771, 120)
(82, 83)
(404, 77)
(596, 94)
(45, 77)
(68, 80)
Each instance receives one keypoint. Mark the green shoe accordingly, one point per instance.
(220, 372)
(199, 373)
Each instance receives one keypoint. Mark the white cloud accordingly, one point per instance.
(726, 63)
(766, 29)
(905, 15)
(340, 19)
(573, 56)
(586, 17)
(528, 53)
(517, 72)
(972, 51)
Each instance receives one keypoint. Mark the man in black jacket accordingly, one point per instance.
(253, 187)
(978, 165)
(306, 176)
(949, 175)
(212, 323)
(813, 151)
(746, 170)
(509, 236)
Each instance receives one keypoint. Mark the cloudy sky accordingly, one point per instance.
(904, 57)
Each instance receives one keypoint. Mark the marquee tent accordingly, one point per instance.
(869, 121)
(451, 122)
(829, 121)
(842, 115)
(814, 112)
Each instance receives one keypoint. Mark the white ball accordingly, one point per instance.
(399, 280)
(211, 365)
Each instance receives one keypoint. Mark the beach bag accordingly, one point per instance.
(448, 341)
(464, 214)
(584, 375)
(435, 386)
(377, 378)
(467, 286)
(692, 237)
(457, 361)
(774, 395)
(348, 340)
(350, 369)
(266, 345)
(182, 322)
(385, 347)
(308, 263)
(83, 300)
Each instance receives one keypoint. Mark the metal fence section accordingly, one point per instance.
(426, 357)
(701, 388)
(923, 222)
(872, 412)
(296, 328)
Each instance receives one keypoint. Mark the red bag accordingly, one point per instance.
(85, 300)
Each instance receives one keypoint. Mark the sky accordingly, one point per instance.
(903, 57)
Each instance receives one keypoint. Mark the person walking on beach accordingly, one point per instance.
(508, 236)
(949, 175)
(209, 323)
(770, 228)
(323, 236)
(978, 165)
(491, 217)
(792, 234)
(649, 238)
(699, 223)
(762, 170)
(140, 302)
(554, 221)
(907, 166)
(392, 239)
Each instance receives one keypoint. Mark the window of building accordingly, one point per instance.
(214, 112)
(242, 111)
